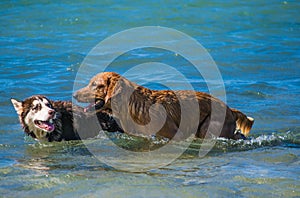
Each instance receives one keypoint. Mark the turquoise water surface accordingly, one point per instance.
(255, 45)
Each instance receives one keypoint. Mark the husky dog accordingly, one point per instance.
(47, 120)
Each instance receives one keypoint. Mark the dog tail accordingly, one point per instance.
(243, 123)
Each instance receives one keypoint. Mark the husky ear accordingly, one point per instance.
(17, 105)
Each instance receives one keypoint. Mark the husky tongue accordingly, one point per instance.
(46, 125)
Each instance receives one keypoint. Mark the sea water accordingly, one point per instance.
(255, 45)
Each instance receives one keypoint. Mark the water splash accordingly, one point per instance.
(143, 144)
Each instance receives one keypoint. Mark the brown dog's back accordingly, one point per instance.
(184, 113)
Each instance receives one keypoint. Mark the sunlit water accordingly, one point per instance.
(256, 47)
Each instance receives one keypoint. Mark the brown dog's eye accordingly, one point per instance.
(94, 85)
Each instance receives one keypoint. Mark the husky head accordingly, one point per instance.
(36, 116)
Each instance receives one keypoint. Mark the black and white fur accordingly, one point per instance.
(47, 120)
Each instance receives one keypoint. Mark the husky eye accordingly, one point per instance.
(35, 107)
(48, 105)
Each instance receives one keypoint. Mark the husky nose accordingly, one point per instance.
(51, 112)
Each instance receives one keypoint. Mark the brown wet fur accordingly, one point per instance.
(141, 112)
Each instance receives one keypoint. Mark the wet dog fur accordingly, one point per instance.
(143, 106)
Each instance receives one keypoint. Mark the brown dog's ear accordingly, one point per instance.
(113, 88)
(109, 90)
(17, 105)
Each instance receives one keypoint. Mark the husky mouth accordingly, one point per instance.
(94, 105)
(47, 125)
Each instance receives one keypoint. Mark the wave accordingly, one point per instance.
(146, 144)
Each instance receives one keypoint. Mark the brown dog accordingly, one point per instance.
(171, 114)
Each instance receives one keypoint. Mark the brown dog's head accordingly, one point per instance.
(99, 90)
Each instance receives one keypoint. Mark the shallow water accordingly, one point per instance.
(256, 47)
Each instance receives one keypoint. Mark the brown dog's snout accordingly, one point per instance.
(75, 95)
(79, 94)
(84, 95)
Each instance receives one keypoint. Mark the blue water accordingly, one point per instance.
(255, 45)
